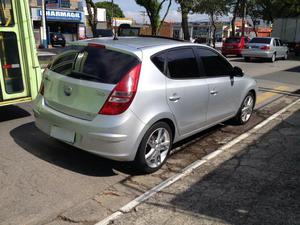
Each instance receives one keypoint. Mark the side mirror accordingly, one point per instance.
(237, 72)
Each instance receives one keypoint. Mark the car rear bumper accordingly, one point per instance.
(226, 51)
(257, 53)
(111, 137)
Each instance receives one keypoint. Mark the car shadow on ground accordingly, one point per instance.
(32, 140)
(260, 185)
(12, 112)
(294, 69)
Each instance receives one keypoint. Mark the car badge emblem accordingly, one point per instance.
(68, 90)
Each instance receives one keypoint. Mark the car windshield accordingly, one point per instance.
(233, 40)
(93, 63)
(261, 40)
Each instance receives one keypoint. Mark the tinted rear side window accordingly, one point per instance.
(182, 64)
(261, 40)
(214, 64)
(233, 40)
(94, 64)
(159, 62)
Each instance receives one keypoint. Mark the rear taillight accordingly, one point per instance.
(123, 94)
(265, 48)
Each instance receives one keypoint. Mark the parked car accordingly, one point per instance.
(234, 45)
(57, 39)
(130, 99)
(266, 48)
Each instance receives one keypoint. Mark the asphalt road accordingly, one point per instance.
(40, 178)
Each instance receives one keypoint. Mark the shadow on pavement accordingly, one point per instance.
(12, 112)
(260, 185)
(65, 156)
(295, 70)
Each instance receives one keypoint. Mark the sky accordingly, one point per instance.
(132, 10)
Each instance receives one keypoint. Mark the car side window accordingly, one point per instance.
(280, 42)
(214, 64)
(159, 62)
(182, 64)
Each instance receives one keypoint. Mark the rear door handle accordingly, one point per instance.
(174, 98)
(214, 92)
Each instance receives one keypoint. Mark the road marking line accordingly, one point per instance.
(267, 95)
(189, 169)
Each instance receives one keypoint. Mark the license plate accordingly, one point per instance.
(62, 134)
(229, 46)
(60, 39)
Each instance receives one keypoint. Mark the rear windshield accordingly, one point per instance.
(94, 64)
(233, 40)
(261, 40)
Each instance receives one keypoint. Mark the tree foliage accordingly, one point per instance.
(153, 9)
(271, 9)
(214, 9)
(115, 8)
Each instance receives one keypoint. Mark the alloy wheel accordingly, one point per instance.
(247, 108)
(157, 147)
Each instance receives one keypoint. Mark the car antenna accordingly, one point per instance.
(112, 21)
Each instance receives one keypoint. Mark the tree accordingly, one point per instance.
(186, 6)
(117, 11)
(213, 8)
(92, 16)
(153, 9)
(234, 6)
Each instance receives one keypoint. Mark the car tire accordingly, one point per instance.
(273, 58)
(286, 55)
(247, 59)
(154, 151)
(246, 110)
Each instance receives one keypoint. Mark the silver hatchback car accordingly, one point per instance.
(266, 48)
(130, 99)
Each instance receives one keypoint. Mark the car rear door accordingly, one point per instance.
(80, 80)
(187, 91)
(224, 89)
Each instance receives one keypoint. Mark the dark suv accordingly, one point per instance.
(57, 39)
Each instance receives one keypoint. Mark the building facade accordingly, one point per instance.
(63, 16)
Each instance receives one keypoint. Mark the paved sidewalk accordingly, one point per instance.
(255, 182)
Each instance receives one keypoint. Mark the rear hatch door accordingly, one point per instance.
(80, 79)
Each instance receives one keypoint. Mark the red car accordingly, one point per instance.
(234, 45)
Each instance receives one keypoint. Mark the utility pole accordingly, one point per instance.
(44, 24)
